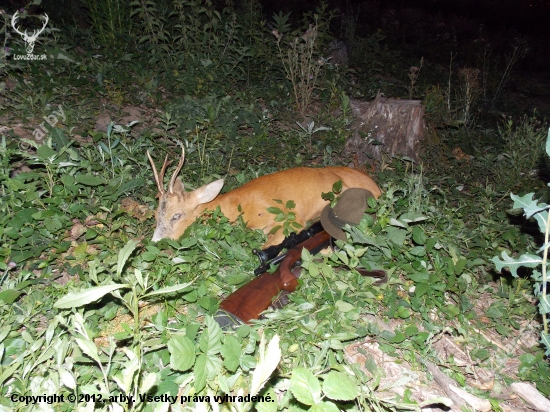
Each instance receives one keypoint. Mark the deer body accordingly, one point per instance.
(178, 208)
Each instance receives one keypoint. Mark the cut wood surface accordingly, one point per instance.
(386, 125)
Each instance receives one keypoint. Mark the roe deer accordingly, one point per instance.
(178, 209)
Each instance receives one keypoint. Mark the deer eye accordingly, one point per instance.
(177, 216)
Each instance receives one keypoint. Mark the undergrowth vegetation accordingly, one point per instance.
(92, 310)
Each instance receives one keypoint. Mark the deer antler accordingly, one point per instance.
(159, 178)
(180, 164)
(35, 33)
(14, 21)
(46, 20)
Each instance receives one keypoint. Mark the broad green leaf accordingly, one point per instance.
(544, 304)
(46, 153)
(421, 289)
(168, 289)
(359, 237)
(371, 202)
(460, 265)
(213, 366)
(139, 278)
(305, 386)
(542, 218)
(523, 202)
(421, 339)
(8, 371)
(9, 296)
(396, 235)
(526, 260)
(502, 329)
(231, 352)
(225, 387)
(4, 332)
(395, 222)
(149, 256)
(279, 218)
(418, 251)
(200, 372)
(77, 299)
(148, 382)
(529, 206)
(126, 377)
(124, 254)
(411, 217)
(266, 365)
(182, 352)
(430, 243)
(339, 386)
(324, 407)
(418, 236)
(66, 377)
(89, 348)
(411, 330)
(89, 180)
(210, 339)
(398, 338)
(419, 277)
(270, 405)
(342, 256)
(343, 306)
(403, 312)
(129, 185)
(274, 210)
(296, 225)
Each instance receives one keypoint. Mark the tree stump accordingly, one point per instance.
(389, 126)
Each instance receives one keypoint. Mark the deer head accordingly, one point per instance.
(177, 208)
(29, 39)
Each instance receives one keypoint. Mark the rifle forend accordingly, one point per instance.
(248, 302)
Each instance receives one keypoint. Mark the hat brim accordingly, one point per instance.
(330, 227)
(354, 198)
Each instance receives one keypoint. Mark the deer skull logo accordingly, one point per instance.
(30, 39)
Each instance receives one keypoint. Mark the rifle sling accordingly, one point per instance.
(380, 275)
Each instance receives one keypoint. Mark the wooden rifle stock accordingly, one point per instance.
(253, 298)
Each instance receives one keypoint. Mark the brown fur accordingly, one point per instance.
(178, 208)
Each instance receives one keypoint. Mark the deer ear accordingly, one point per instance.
(178, 186)
(208, 192)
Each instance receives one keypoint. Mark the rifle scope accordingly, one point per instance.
(271, 253)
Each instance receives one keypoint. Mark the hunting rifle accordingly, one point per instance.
(253, 298)
(249, 301)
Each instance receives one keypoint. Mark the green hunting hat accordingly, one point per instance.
(349, 210)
